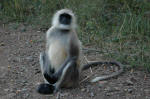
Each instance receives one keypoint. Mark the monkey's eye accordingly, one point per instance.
(65, 19)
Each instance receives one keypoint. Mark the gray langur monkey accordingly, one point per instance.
(60, 63)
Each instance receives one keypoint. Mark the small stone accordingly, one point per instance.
(109, 94)
(107, 89)
(130, 90)
(30, 58)
(117, 88)
(129, 82)
(2, 44)
(92, 94)
(18, 91)
(83, 89)
(8, 66)
(24, 81)
(24, 89)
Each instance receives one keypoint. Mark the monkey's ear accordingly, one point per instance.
(45, 89)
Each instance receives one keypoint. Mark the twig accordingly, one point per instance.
(91, 70)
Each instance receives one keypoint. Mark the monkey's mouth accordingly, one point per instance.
(64, 27)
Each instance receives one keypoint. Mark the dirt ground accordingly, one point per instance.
(20, 71)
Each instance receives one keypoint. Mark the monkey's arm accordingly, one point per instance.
(46, 69)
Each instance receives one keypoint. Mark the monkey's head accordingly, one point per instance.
(64, 19)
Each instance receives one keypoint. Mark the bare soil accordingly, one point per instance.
(20, 71)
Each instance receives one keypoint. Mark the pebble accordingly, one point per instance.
(8, 66)
(24, 89)
(128, 82)
(117, 88)
(18, 91)
(109, 94)
(129, 90)
(29, 58)
(107, 89)
(92, 94)
(83, 89)
(2, 44)
(24, 81)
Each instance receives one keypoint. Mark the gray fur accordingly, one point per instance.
(62, 52)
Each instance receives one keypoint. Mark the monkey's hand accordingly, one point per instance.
(52, 79)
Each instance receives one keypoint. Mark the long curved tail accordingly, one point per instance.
(114, 74)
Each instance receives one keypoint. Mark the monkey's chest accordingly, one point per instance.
(58, 54)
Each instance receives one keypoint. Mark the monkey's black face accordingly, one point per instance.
(65, 19)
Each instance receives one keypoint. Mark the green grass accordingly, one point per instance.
(119, 27)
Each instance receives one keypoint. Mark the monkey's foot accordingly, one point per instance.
(45, 89)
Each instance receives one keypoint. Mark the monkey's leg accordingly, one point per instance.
(69, 75)
(46, 88)
(70, 61)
